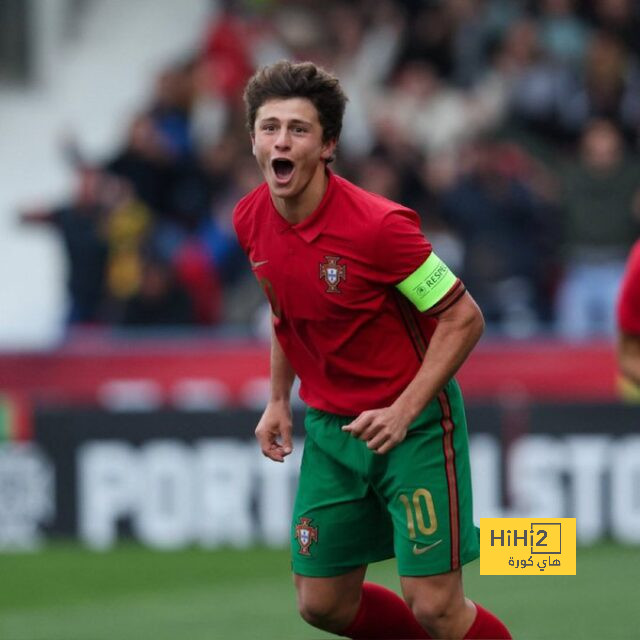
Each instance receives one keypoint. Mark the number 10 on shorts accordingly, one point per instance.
(421, 513)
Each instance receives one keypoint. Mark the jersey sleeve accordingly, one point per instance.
(629, 300)
(241, 221)
(406, 261)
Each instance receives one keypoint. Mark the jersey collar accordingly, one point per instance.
(312, 226)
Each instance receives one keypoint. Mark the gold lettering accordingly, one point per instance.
(419, 514)
(431, 512)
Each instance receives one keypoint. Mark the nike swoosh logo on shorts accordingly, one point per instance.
(255, 265)
(419, 550)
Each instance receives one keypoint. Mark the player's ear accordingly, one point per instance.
(253, 143)
(328, 149)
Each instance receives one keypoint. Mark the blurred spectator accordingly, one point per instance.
(170, 110)
(464, 110)
(210, 113)
(608, 87)
(563, 33)
(362, 53)
(378, 175)
(145, 162)
(199, 280)
(471, 40)
(159, 300)
(532, 82)
(240, 292)
(227, 50)
(217, 230)
(600, 203)
(429, 38)
(618, 17)
(127, 228)
(503, 226)
(82, 225)
(419, 108)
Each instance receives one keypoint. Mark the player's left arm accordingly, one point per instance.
(433, 289)
(459, 328)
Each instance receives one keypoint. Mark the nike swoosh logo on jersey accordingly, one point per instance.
(255, 265)
(419, 550)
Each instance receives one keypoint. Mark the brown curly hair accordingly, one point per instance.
(285, 79)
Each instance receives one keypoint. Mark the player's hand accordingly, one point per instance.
(274, 431)
(381, 429)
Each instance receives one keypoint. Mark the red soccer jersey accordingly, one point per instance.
(629, 300)
(354, 341)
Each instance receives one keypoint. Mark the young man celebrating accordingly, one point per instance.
(375, 325)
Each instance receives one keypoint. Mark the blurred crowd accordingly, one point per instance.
(512, 127)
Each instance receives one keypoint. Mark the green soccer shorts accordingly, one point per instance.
(354, 506)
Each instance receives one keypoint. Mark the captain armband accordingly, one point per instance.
(428, 284)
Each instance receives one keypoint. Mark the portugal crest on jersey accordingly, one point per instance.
(332, 273)
(305, 534)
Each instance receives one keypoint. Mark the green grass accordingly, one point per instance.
(68, 593)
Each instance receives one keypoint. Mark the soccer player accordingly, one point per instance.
(628, 313)
(375, 325)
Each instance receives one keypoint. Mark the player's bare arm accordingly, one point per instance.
(459, 329)
(629, 356)
(628, 317)
(274, 430)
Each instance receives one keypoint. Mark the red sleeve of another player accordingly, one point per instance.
(401, 246)
(629, 300)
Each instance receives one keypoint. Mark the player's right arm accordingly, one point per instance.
(274, 431)
(629, 356)
(628, 317)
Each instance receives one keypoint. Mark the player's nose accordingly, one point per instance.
(283, 139)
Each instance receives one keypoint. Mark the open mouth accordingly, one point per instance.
(282, 168)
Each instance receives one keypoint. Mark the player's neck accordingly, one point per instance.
(297, 208)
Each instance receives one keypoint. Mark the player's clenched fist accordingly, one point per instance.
(274, 431)
(381, 429)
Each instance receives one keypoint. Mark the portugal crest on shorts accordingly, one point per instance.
(305, 534)
(332, 273)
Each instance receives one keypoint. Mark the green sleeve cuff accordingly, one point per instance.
(428, 284)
